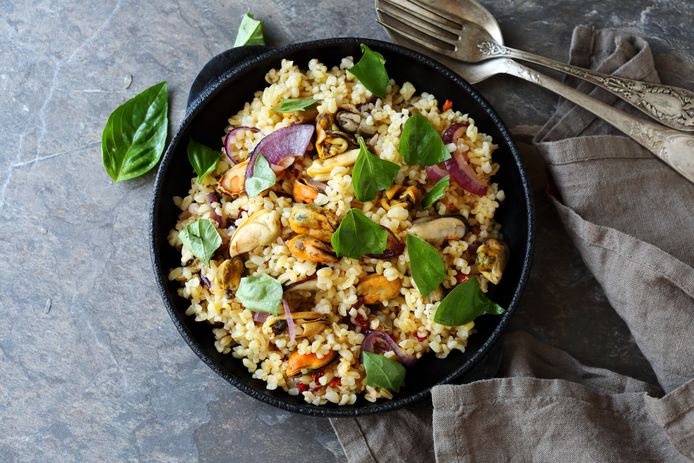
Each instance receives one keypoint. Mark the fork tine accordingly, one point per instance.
(421, 27)
(425, 6)
(421, 17)
(421, 40)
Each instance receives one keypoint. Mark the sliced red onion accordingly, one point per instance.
(457, 166)
(464, 175)
(281, 144)
(377, 335)
(394, 247)
(230, 136)
(436, 172)
(205, 281)
(212, 198)
(290, 320)
(260, 317)
(453, 132)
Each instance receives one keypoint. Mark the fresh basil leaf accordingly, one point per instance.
(465, 303)
(260, 293)
(202, 158)
(371, 174)
(426, 265)
(291, 105)
(383, 372)
(135, 134)
(358, 235)
(371, 71)
(263, 177)
(437, 192)
(420, 143)
(202, 239)
(250, 31)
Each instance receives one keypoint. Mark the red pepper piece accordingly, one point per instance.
(461, 277)
(302, 387)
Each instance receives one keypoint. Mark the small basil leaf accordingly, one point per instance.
(426, 266)
(263, 177)
(250, 31)
(260, 293)
(420, 143)
(383, 372)
(371, 71)
(358, 235)
(437, 192)
(135, 134)
(371, 174)
(465, 303)
(203, 159)
(291, 105)
(202, 239)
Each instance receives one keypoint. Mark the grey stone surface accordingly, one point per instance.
(91, 368)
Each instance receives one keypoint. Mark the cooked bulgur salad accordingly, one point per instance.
(345, 230)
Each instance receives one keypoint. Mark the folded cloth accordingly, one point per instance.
(629, 215)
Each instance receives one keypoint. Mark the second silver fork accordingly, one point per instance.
(466, 41)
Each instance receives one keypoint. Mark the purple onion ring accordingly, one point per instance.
(290, 320)
(260, 317)
(212, 198)
(286, 142)
(377, 335)
(230, 136)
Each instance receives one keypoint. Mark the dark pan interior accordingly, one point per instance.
(206, 121)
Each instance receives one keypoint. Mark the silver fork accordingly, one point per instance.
(672, 147)
(466, 41)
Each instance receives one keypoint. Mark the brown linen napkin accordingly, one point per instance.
(630, 217)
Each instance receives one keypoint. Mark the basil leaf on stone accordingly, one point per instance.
(202, 239)
(250, 31)
(263, 177)
(358, 235)
(383, 372)
(135, 134)
(371, 71)
(437, 192)
(426, 265)
(291, 105)
(420, 143)
(371, 174)
(202, 158)
(260, 293)
(465, 303)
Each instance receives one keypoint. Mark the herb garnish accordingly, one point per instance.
(202, 239)
(263, 177)
(358, 235)
(420, 143)
(202, 158)
(250, 31)
(383, 372)
(371, 174)
(135, 134)
(465, 303)
(260, 293)
(371, 71)
(437, 192)
(426, 266)
(291, 105)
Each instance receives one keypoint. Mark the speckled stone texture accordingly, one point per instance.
(91, 367)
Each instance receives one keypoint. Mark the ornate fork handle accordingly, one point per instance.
(671, 106)
(674, 148)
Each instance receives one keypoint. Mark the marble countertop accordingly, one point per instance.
(91, 366)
